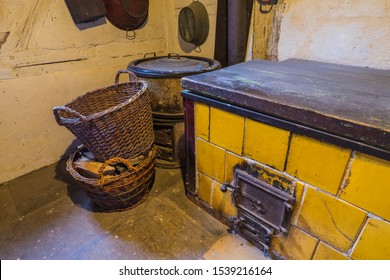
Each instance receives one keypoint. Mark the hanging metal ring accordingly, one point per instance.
(265, 11)
(130, 36)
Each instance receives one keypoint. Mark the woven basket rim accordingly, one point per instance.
(141, 91)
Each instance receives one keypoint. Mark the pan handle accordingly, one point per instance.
(153, 53)
(174, 55)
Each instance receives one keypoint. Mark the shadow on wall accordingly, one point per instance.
(83, 26)
(185, 46)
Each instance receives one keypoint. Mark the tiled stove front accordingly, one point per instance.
(295, 192)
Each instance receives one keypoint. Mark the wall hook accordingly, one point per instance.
(270, 3)
(198, 49)
(130, 36)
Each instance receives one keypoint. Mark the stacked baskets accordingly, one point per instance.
(115, 124)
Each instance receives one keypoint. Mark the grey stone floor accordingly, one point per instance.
(45, 215)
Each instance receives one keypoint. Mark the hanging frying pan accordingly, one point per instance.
(127, 14)
(194, 23)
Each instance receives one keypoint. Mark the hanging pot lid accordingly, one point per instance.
(127, 14)
(172, 65)
(194, 23)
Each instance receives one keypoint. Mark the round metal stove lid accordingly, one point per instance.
(172, 65)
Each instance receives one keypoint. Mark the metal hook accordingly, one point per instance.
(153, 53)
(265, 11)
(130, 37)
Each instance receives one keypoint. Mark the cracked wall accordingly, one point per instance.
(353, 32)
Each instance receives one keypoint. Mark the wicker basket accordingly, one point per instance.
(120, 192)
(115, 121)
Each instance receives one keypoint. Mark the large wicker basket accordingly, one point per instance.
(120, 192)
(115, 121)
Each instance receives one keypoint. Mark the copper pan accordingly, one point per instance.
(127, 14)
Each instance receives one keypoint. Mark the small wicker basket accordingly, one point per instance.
(120, 192)
(114, 121)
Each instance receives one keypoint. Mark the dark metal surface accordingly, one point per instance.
(343, 104)
(221, 39)
(189, 128)
(239, 14)
(232, 28)
(127, 14)
(172, 66)
(263, 210)
(163, 134)
(136, 8)
(169, 139)
(270, 206)
(168, 117)
(166, 154)
(250, 228)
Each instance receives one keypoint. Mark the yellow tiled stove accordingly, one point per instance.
(313, 137)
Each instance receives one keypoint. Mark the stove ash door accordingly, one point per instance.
(263, 210)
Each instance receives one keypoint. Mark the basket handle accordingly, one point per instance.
(132, 76)
(110, 161)
(62, 121)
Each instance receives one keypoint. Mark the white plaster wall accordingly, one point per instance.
(354, 32)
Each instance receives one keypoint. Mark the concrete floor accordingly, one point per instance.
(45, 215)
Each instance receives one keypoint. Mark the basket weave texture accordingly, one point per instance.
(115, 121)
(120, 192)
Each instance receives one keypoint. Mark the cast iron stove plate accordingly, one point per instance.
(263, 210)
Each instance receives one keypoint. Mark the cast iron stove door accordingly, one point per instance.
(263, 210)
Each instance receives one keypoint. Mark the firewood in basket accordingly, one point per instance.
(120, 168)
(90, 169)
(135, 161)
